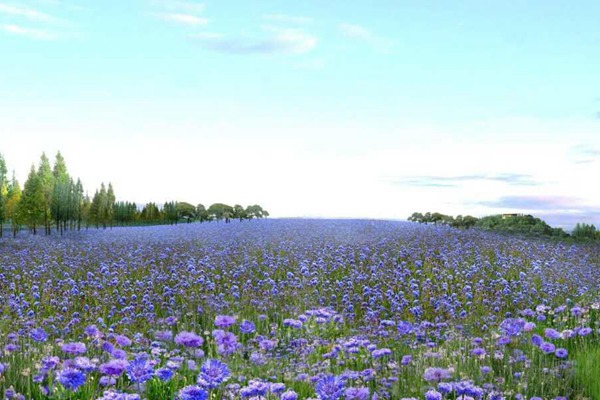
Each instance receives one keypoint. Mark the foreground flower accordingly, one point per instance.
(114, 367)
(71, 378)
(435, 374)
(74, 348)
(193, 393)
(188, 339)
(330, 387)
(212, 374)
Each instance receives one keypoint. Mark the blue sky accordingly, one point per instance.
(330, 109)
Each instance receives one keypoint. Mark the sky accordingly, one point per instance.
(362, 109)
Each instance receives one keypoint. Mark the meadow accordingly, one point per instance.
(298, 309)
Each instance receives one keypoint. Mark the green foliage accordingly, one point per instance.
(585, 232)
(465, 222)
(521, 224)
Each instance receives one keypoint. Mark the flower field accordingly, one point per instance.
(298, 309)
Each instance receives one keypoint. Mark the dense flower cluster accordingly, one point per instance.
(289, 310)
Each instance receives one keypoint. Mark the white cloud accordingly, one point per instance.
(37, 34)
(359, 32)
(286, 41)
(186, 19)
(27, 13)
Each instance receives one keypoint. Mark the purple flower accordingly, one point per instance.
(113, 367)
(164, 374)
(71, 378)
(404, 327)
(247, 327)
(551, 333)
(212, 374)
(584, 331)
(193, 393)
(407, 359)
(433, 395)
(226, 342)
(561, 353)
(289, 395)
(188, 339)
(547, 347)
(361, 393)
(74, 348)
(435, 374)
(329, 387)
(139, 369)
(224, 321)
(39, 335)
(381, 353)
(537, 339)
(123, 340)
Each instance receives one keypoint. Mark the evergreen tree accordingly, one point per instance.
(47, 183)
(13, 199)
(3, 193)
(32, 207)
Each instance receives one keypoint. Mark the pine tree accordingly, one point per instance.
(32, 207)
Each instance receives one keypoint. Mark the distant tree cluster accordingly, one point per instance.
(463, 222)
(52, 199)
(507, 223)
(174, 212)
(585, 232)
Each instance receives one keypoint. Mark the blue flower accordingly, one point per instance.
(329, 387)
(212, 374)
(247, 327)
(164, 374)
(193, 393)
(140, 370)
(71, 378)
(188, 339)
(39, 335)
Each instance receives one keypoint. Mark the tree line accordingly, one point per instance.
(52, 200)
(508, 223)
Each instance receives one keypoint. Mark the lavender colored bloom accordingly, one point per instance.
(114, 395)
(407, 359)
(433, 395)
(379, 353)
(188, 339)
(84, 364)
(289, 395)
(361, 393)
(277, 388)
(165, 336)
(537, 339)
(547, 347)
(292, 323)
(71, 378)
(247, 327)
(192, 393)
(329, 387)
(164, 374)
(122, 340)
(561, 353)
(212, 374)
(113, 367)
(445, 387)
(226, 342)
(551, 333)
(584, 331)
(478, 352)
(39, 335)
(436, 374)
(74, 348)
(224, 321)
(139, 369)
(404, 327)
(2, 368)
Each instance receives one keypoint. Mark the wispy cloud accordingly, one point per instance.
(598, 115)
(185, 19)
(288, 19)
(280, 41)
(454, 181)
(585, 154)
(30, 33)
(540, 203)
(360, 33)
(556, 210)
(25, 12)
